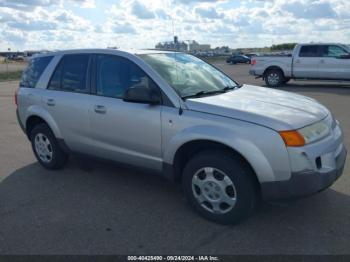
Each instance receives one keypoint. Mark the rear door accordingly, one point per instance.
(124, 131)
(29, 94)
(306, 64)
(333, 64)
(67, 100)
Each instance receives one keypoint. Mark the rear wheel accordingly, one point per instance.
(219, 187)
(46, 148)
(274, 77)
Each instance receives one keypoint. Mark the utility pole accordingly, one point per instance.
(7, 66)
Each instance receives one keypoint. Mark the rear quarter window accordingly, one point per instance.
(34, 70)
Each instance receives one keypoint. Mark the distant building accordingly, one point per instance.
(196, 47)
(176, 45)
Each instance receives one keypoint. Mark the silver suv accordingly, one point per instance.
(172, 113)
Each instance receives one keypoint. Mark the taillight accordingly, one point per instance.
(253, 62)
(16, 93)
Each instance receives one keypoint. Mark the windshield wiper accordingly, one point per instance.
(205, 93)
(228, 88)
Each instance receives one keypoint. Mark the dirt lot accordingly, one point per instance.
(12, 66)
(91, 207)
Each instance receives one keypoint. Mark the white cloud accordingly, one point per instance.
(307, 10)
(210, 13)
(140, 11)
(27, 4)
(142, 23)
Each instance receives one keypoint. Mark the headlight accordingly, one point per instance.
(315, 131)
(308, 134)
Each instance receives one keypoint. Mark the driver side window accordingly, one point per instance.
(115, 75)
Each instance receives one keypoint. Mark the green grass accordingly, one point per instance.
(7, 76)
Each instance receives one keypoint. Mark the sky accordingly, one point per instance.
(69, 24)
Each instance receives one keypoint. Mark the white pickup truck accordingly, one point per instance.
(308, 61)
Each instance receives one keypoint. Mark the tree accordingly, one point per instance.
(282, 47)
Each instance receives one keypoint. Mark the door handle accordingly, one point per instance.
(50, 102)
(100, 109)
(321, 61)
(297, 61)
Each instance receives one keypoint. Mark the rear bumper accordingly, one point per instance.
(20, 122)
(304, 183)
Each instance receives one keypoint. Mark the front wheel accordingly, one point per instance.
(219, 187)
(274, 78)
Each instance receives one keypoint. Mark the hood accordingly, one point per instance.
(275, 109)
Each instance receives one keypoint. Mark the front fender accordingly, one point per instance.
(250, 151)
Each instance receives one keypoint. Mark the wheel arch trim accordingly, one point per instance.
(272, 67)
(248, 150)
(36, 111)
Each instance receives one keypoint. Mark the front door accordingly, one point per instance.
(124, 131)
(306, 64)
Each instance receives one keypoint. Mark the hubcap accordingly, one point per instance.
(273, 78)
(214, 190)
(43, 147)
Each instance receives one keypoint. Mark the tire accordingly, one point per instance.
(46, 148)
(274, 78)
(221, 167)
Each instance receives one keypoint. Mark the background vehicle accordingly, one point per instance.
(308, 61)
(176, 115)
(235, 59)
(251, 55)
(15, 57)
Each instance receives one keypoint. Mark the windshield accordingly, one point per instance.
(189, 75)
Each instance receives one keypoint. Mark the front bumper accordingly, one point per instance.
(313, 167)
(304, 183)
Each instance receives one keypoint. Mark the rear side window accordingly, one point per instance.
(34, 70)
(309, 51)
(70, 75)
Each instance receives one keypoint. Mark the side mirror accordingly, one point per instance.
(141, 94)
(347, 56)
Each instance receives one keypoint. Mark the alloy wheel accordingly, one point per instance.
(43, 147)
